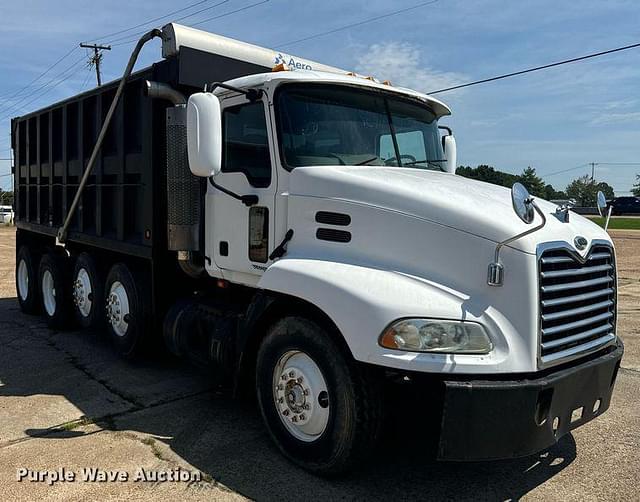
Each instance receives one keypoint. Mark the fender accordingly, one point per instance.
(363, 301)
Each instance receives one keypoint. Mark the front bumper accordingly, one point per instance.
(486, 419)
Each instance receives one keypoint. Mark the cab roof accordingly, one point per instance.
(313, 76)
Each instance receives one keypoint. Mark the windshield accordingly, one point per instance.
(332, 125)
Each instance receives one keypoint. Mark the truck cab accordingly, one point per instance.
(356, 182)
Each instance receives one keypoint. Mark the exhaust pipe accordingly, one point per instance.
(158, 90)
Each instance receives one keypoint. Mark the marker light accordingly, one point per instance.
(435, 335)
(280, 67)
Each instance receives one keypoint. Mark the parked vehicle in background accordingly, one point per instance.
(6, 215)
(625, 205)
(301, 230)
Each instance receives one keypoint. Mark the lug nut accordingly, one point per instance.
(294, 418)
(303, 416)
(285, 413)
(299, 379)
(292, 374)
(307, 406)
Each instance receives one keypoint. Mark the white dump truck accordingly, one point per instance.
(301, 230)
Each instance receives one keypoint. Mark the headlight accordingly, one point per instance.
(434, 335)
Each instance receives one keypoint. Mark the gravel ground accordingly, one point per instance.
(67, 401)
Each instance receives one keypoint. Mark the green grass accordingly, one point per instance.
(619, 223)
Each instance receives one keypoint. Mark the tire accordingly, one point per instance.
(126, 309)
(339, 412)
(55, 290)
(87, 292)
(27, 281)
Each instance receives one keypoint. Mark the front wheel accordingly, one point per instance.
(323, 410)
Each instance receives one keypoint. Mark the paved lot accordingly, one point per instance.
(67, 401)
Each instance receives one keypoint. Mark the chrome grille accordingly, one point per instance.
(577, 303)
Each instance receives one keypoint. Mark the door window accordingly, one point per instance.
(246, 145)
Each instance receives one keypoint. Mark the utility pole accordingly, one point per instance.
(593, 170)
(97, 57)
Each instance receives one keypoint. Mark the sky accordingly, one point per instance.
(553, 120)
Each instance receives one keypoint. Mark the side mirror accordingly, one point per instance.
(204, 134)
(450, 153)
(601, 203)
(522, 202)
(525, 208)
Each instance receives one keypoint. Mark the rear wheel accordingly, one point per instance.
(126, 309)
(55, 289)
(322, 409)
(88, 293)
(27, 281)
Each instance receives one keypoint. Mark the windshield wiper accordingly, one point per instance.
(366, 161)
(430, 162)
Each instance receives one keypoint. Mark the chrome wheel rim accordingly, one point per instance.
(117, 308)
(301, 396)
(82, 293)
(23, 280)
(48, 293)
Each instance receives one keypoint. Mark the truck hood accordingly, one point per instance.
(471, 206)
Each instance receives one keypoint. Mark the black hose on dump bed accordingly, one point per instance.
(62, 232)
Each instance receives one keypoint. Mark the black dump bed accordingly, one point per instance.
(123, 207)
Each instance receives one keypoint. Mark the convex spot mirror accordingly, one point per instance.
(522, 202)
(601, 201)
(204, 134)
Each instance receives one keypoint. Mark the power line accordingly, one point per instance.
(537, 68)
(151, 20)
(11, 108)
(6, 96)
(565, 170)
(617, 163)
(359, 23)
(134, 36)
(247, 7)
(62, 77)
(241, 9)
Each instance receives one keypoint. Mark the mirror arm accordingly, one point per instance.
(606, 224)
(496, 269)
(247, 200)
(251, 94)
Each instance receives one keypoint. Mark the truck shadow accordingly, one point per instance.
(225, 438)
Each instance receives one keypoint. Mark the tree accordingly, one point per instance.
(532, 182)
(487, 173)
(528, 178)
(607, 189)
(584, 190)
(635, 190)
(551, 193)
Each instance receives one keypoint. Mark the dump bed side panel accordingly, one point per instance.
(123, 207)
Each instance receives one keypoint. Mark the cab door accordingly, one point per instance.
(241, 237)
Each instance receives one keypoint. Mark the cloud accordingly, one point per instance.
(401, 63)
